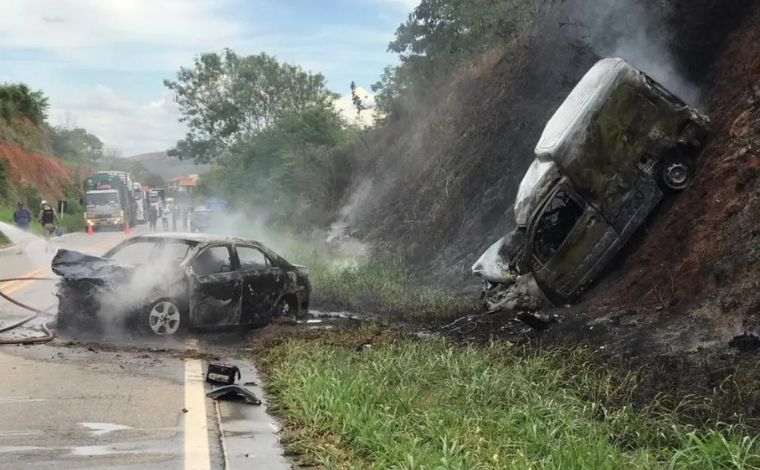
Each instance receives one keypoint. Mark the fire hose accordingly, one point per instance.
(49, 335)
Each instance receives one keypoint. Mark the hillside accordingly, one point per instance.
(437, 182)
(23, 168)
(168, 167)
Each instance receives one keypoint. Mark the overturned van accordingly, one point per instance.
(617, 144)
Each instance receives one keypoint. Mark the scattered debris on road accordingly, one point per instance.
(222, 374)
(234, 392)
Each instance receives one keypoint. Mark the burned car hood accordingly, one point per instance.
(74, 265)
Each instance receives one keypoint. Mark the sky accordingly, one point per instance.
(102, 62)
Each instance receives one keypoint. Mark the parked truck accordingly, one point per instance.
(107, 202)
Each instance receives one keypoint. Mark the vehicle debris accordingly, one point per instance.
(222, 374)
(746, 342)
(234, 392)
(169, 283)
(617, 144)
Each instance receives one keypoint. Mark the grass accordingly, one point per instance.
(383, 286)
(412, 404)
(363, 283)
(70, 223)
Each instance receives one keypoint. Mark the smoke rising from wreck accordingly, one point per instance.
(634, 32)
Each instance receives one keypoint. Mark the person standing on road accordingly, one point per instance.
(48, 219)
(175, 216)
(152, 216)
(22, 217)
(165, 218)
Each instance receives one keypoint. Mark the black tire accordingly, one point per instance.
(675, 172)
(165, 317)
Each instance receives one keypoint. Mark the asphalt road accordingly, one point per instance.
(116, 400)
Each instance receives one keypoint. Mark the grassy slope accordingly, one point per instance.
(366, 284)
(70, 223)
(429, 404)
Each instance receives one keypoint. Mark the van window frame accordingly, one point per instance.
(575, 197)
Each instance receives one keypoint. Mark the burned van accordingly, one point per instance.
(617, 144)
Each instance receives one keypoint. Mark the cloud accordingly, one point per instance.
(77, 24)
(405, 4)
(346, 107)
(129, 126)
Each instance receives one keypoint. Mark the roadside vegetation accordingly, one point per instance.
(383, 286)
(369, 398)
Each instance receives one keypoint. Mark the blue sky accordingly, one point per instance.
(102, 62)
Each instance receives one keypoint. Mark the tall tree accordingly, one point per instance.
(17, 100)
(75, 144)
(227, 98)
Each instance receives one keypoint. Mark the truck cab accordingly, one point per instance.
(104, 209)
(617, 144)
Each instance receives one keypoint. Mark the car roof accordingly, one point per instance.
(195, 237)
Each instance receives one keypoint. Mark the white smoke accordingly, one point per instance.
(629, 30)
(35, 248)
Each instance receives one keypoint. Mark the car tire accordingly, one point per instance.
(165, 317)
(675, 172)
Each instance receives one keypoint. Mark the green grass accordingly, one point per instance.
(70, 223)
(434, 405)
(382, 286)
(363, 283)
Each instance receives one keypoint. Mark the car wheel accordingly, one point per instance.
(675, 172)
(165, 317)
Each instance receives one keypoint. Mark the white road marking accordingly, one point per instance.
(196, 424)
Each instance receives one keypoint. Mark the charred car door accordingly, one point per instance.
(568, 242)
(215, 287)
(263, 283)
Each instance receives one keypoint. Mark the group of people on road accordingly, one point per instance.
(165, 212)
(47, 217)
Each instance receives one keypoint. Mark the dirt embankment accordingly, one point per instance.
(437, 184)
(688, 286)
(48, 176)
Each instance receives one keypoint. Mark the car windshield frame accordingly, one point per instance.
(158, 245)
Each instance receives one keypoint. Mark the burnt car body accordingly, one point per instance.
(172, 282)
(613, 149)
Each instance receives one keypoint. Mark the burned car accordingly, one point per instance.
(168, 283)
(617, 144)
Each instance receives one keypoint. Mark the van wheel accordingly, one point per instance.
(675, 172)
(165, 317)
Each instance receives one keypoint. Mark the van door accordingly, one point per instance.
(568, 239)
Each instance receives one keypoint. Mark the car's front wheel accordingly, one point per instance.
(165, 317)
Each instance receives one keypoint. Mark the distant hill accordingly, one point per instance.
(168, 167)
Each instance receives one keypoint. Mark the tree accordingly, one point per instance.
(357, 100)
(225, 99)
(75, 144)
(440, 34)
(17, 100)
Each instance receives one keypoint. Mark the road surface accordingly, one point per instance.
(117, 401)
